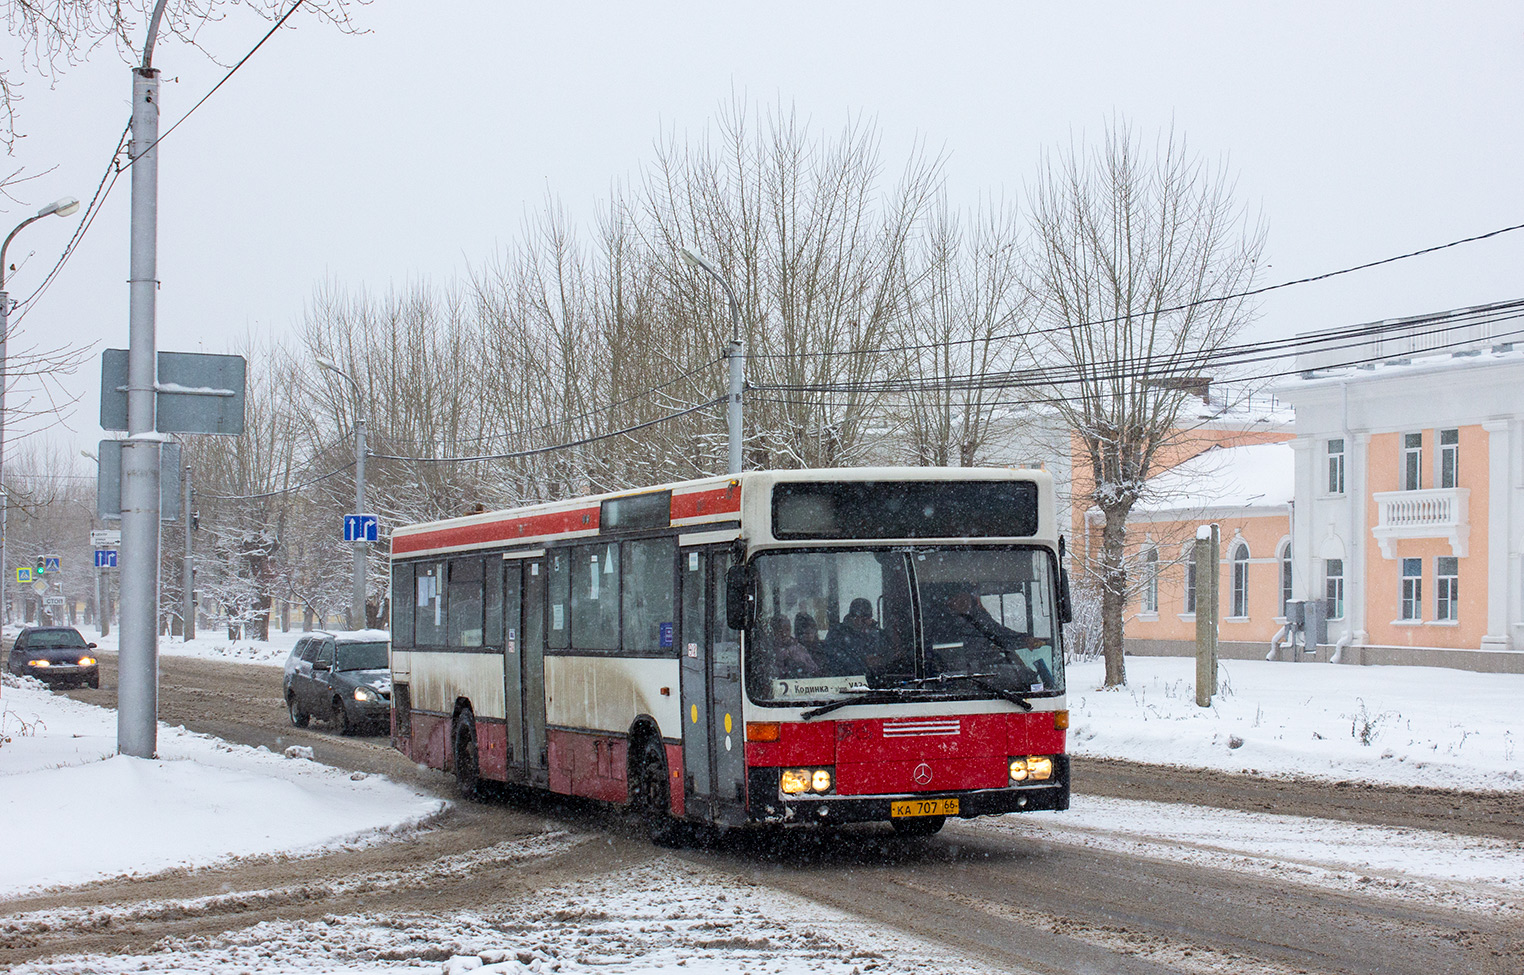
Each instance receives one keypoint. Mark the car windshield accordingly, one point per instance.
(936, 621)
(362, 656)
(55, 639)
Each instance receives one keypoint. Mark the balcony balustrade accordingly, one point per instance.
(1432, 513)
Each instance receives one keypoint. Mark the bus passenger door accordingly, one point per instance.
(513, 678)
(533, 652)
(694, 641)
(727, 728)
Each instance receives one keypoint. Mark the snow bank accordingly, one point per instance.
(1408, 726)
(202, 801)
(216, 646)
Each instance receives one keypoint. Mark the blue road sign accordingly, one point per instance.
(105, 558)
(24, 575)
(50, 563)
(360, 528)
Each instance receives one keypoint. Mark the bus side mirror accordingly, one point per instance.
(1065, 606)
(740, 596)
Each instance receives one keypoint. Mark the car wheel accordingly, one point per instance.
(94, 682)
(919, 825)
(467, 763)
(299, 718)
(341, 720)
(651, 795)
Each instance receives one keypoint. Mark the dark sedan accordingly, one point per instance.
(344, 677)
(55, 654)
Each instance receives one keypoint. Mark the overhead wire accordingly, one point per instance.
(288, 490)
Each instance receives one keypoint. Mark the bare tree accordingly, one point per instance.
(1136, 258)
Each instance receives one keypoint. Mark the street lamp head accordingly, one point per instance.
(698, 260)
(328, 364)
(63, 208)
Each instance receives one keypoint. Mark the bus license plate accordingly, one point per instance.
(924, 807)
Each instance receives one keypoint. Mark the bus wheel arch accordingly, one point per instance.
(649, 784)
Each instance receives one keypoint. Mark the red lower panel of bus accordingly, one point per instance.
(430, 741)
(875, 756)
(492, 749)
(590, 765)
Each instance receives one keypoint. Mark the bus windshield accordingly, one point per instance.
(935, 621)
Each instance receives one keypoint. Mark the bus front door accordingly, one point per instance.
(727, 728)
(714, 736)
(533, 663)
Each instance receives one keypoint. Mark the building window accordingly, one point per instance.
(1412, 461)
(1151, 580)
(1240, 560)
(1336, 466)
(1449, 457)
(1412, 589)
(1333, 587)
(1446, 588)
(1285, 576)
(1190, 579)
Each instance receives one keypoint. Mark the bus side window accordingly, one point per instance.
(649, 597)
(727, 642)
(558, 629)
(428, 621)
(464, 603)
(402, 606)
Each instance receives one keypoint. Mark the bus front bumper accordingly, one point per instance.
(765, 804)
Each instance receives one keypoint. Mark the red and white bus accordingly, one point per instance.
(805, 646)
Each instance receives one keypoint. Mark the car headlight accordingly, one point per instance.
(364, 694)
(86, 661)
(39, 663)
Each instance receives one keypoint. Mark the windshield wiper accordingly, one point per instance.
(880, 696)
(981, 681)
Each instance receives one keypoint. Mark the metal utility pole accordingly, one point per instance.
(138, 662)
(62, 208)
(362, 547)
(737, 355)
(188, 573)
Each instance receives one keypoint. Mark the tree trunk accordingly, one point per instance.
(1113, 573)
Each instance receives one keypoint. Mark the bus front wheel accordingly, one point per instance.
(651, 795)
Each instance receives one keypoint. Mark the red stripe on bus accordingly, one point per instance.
(697, 503)
(505, 530)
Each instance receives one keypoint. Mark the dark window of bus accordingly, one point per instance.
(649, 598)
(402, 605)
(595, 597)
(558, 579)
(904, 509)
(429, 619)
(635, 513)
(464, 603)
(492, 602)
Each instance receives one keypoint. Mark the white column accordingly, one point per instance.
(1357, 490)
(1303, 517)
(1499, 500)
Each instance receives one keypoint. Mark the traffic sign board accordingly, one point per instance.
(102, 537)
(39, 586)
(24, 575)
(54, 600)
(360, 528)
(105, 558)
(50, 563)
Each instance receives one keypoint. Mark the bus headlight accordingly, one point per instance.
(1018, 770)
(796, 781)
(1032, 768)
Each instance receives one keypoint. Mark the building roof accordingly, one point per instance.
(1253, 476)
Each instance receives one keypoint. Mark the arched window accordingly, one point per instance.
(1151, 580)
(1285, 561)
(1240, 559)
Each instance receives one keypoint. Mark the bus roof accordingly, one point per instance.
(706, 502)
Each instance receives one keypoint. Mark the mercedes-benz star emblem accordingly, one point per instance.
(922, 774)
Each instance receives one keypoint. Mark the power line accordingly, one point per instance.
(562, 446)
(1150, 312)
(270, 494)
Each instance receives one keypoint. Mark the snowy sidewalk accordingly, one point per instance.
(203, 801)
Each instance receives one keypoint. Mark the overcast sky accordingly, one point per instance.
(413, 151)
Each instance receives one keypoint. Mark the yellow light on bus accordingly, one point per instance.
(795, 781)
(763, 730)
(821, 780)
(1039, 767)
(1060, 720)
(1018, 770)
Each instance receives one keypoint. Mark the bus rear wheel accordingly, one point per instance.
(651, 795)
(467, 766)
(919, 825)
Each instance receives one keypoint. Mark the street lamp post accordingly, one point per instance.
(61, 208)
(362, 547)
(737, 358)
